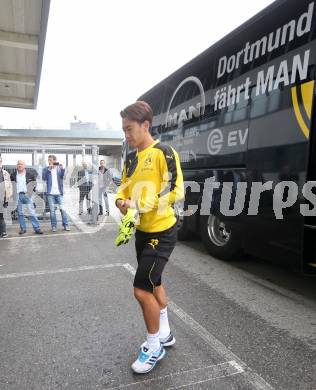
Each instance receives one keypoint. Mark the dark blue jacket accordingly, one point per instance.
(47, 176)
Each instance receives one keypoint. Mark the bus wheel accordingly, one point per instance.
(183, 232)
(220, 241)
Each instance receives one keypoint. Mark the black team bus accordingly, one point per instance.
(241, 116)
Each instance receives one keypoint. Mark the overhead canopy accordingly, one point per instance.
(23, 25)
(109, 141)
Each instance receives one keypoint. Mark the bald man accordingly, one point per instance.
(25, 187)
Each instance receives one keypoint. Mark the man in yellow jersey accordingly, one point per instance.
(152, 181)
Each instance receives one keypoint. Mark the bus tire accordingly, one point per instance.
(184, 233)
(218, 240)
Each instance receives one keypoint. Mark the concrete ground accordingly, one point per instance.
(68, 319)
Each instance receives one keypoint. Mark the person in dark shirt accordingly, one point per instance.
(84, 180)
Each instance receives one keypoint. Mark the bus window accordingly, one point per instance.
(263, 104)
(259, 104)
(274, 100)
(170, 135)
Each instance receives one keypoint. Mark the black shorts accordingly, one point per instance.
(152, 252)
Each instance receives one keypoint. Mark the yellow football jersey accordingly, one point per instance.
(153, 179)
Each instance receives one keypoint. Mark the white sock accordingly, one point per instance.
(164, 328)
(153, 342)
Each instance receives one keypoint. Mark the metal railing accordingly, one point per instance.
(35, 157)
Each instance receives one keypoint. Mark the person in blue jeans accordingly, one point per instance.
(5, 195)
(54, 176)
(25, 182)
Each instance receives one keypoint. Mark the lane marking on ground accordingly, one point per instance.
(255, 379)
(49, 234)
(45, 235)
(182, 379)
(60, 270)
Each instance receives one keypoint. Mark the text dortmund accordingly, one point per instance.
(268, 43)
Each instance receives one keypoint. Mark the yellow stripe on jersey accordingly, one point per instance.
(153, 179)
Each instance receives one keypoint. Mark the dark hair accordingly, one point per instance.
(53, 157)
(139, 111)
(102, 160)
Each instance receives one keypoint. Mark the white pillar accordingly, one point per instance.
(34, 157)
(43, 158)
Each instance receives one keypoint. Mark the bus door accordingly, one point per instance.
(277, 155)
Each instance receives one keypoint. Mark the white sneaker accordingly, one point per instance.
(169, 341)
(147, 359)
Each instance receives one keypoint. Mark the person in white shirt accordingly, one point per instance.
(54, 176)
(25, 187)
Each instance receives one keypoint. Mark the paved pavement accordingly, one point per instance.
(68, 319)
